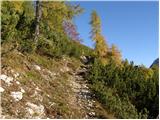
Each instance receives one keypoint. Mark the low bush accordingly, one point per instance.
(129, 91)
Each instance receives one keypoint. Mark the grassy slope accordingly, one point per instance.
(49, 86)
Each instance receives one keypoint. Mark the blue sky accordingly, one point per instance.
(132, 26)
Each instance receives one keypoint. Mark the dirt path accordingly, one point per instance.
(83, 97)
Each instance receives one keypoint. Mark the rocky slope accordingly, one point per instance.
(34, 86)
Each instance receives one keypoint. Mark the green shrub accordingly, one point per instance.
(59, 45)
(9, 20)
(129, 91)
(26, 46)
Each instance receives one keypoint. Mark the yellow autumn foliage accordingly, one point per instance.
(18, 5)
(116, 55)
(101, 47)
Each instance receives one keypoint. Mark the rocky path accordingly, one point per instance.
(84, 97)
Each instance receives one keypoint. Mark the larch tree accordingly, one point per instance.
(101, 47)
(115, 54)
(57, 15)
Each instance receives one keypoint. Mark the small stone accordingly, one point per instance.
(22, 90)
(90, 104)
(49, 72)
(92, 114)
(3, 77)
(1, 89)
(37, 88)
(86, 117)
(85, 91)
(30, 111)
(17, 95)
(17, 82)
(37, 67)
(12, 71)
(84, 59)
(33, 108)
(52, 104)
(16, 75)
(9, 79)
(6, 79)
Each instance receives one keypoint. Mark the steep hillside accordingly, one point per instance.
(46, 72)
(155, 63)
(34, 86)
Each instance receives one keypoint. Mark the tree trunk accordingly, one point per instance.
(37, 20)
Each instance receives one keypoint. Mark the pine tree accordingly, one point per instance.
(10, 12)
(26, 20)
(101, 48)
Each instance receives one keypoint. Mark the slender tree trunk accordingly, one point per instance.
(37, 20)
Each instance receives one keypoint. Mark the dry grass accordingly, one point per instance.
(55, 91)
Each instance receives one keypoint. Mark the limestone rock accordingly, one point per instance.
(3, 77)
(17, 82)
(34, 109)
(17, 95)
(6, 79)
(37, 67)
(1, 89)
